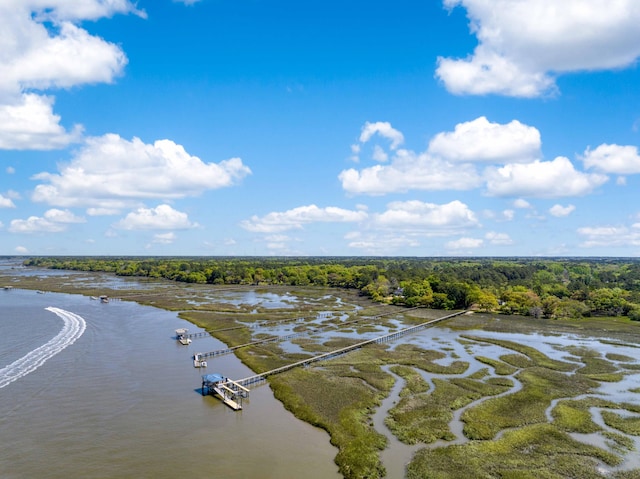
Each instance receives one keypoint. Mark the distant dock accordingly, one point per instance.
(182, 335)
(198, 362)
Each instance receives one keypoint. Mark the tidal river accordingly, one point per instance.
(98, 390)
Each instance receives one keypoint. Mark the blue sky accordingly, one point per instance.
(211, 127)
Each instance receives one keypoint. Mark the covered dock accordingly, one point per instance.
(230, 392)
(182, 335)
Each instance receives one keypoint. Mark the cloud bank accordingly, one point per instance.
(524, 44)
(510, 159)
(43, 46)
(110, 173)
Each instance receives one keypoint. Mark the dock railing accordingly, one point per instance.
(262, 377)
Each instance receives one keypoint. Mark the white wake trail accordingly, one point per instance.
(73, 328)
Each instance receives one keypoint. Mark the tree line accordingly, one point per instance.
(550, 288)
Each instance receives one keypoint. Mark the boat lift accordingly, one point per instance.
(182, 335)
(230, 392)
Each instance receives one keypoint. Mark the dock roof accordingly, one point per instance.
(213, 378)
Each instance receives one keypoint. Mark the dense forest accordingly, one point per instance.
(549, 287)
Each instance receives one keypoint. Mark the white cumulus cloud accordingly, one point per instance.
(62, 216)
(449, 161)
(381, 243)
(29, 124)
(465, 243)
(385, 130)
(296, 218)
(379, 154)
(481, 140)
(542, 179)
(162, 217)
(164, 238)
(523, 44)
(616, 159)
(6, 202)
(610, 236)
(521, 203)
(498, 238)
(560, 211)
(410, 171)
(508, 215)
(43, 46)
(53, 221)
(110, 173)
(506, 158)
(429, 218)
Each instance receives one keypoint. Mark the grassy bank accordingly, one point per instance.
(533, 452)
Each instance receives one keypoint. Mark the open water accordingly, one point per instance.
(98, 390)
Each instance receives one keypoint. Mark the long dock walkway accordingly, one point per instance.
(202, 334)
(288, 337)
(262, 377)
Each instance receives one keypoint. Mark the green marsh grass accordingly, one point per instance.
(538, 451)
(574, 416)
(421, 417)
(619, 357)
(628, 425)
(619, 442)
(425, 417)
(410, 355)
(500, 367)
(538, 358)
(340, 397)
(479, 374)
(524, 407)
(414, 382)
(595, 367)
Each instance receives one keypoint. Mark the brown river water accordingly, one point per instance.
(121, 398)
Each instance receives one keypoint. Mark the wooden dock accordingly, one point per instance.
(230, 392)
(257, 379)
(182, 335)
(203, 334)
(198, 362)
(288, 337)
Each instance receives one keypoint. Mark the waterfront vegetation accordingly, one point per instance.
(550, 288)
(519, 409)
(532, 452)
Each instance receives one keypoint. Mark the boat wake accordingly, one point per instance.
(73, 328)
